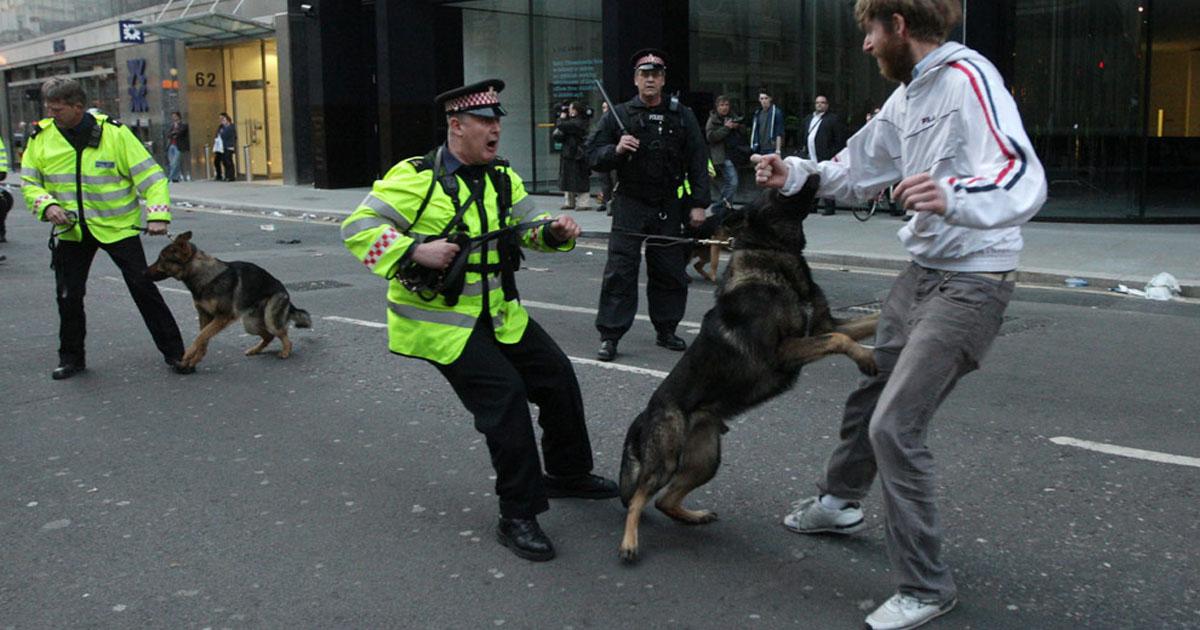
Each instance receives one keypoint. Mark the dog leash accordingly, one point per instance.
(146, 231)
(672, 241)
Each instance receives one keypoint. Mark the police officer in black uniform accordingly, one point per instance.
(662, 147)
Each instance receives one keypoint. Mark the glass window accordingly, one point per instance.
(1078, 82)
(796, 50)
(545, 59)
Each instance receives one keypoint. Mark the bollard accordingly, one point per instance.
(246, 162)
(208, 173)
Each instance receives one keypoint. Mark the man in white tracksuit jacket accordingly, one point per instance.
(951, 135)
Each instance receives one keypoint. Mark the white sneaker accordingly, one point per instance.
(811, 517)
(901, 612)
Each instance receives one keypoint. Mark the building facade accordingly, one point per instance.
(334, 92)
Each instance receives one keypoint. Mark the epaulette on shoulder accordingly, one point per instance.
(499, 161)
(114, 122)
(37, 128)
(423, 162)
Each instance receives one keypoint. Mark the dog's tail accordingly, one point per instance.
(631, 462)
(299, 317)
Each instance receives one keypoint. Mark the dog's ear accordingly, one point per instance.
(185, 237)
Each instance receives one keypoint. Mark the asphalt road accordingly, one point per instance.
(346, 487)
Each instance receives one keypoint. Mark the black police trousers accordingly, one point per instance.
(73, 261)
(666, 279)
(496, 382)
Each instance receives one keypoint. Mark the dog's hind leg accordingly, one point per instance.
(629, 543)
(701, 458)
(798, 351)
(275, 317)
(859, 327)
(260, 346)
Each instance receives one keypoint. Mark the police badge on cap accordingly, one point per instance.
(477, 99)
(649, 59)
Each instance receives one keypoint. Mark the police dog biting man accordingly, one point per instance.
(84, 173)
(660, 156)
(445, 229)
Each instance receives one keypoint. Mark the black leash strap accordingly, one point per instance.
(659, 240)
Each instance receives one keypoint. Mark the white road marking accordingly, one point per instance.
(356, 322)
(590, 311)
(1135, 453)
(160, 288)
(617, 366)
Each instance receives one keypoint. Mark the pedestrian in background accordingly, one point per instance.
(75, 152)
(825, 135)
(571, 129)
(945, 308)
(480, 337)
(724, 134)
(661, 160)
(6, 200)
(606, 177)
(179, 146)
(224, 147)
(766, 133)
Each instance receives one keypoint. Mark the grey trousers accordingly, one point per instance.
(936, 326)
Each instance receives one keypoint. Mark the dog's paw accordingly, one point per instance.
(629, 555)
(867, 366)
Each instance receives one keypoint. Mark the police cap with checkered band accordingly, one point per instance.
(478, 99)
(649, 59)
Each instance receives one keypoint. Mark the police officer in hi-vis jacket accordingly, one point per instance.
(85, 173)
(445, 230)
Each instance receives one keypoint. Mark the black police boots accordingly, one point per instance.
(525, 538)
(580, 487)
(671, 341)
(608, 350)
(67, 370)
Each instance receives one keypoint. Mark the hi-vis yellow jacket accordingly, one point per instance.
(103, 182)
(375, 233)
(3, 157)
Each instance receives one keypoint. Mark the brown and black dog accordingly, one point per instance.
(223, 292)
(769, 320)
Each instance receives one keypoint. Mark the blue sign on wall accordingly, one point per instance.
(137, 85)
(130, 33)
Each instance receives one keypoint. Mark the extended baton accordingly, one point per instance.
(611, 108)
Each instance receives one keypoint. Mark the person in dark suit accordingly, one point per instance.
(224, 151)
(825, 135)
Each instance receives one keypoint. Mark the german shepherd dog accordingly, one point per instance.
(770, 319)
(224, 291)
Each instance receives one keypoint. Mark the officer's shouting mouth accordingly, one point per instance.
(479, 137)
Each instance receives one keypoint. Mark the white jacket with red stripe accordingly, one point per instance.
(957, 122)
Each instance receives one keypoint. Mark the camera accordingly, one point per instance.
(565, 106)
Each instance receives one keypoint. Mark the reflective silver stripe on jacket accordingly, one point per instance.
(30, 173)
(358, 226)
(102, 179)
(111, 195)
(60, 178)
(142, 166)
(149, 181)
(385, 209)
(522, 209)
(446, 318)
(113, 212)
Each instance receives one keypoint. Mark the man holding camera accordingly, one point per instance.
(657, 149)
(726, 146)
(424, 216)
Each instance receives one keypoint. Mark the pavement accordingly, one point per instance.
(1105, 255)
